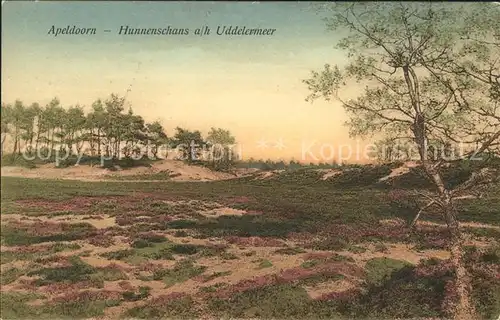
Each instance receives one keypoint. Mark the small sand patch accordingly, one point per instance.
(255, 241)
(12, 217)
(400, 222)
(37, 302)
(102, 262)
(393, 222)
(328, 287)
(267, 174)
(157, 287)
(329, 173)
(116, 312)
(246, 267)
(462, 224)
(395, 173)
(102, 223)
(225, 211)
(396, 251)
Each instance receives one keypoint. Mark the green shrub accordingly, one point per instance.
(142, 294)
(118, 255)
(265, 264)
(182, 271)
(188, 249)
(276, 301)
(181, 224)
(141, 243)
(78, 271)
(361, 177)
(180, 308)
(378, 270)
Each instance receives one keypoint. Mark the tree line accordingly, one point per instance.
(268, 164)
(107, 130)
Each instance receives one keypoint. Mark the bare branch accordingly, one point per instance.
(431, 203)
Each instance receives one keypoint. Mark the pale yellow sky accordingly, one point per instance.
(250, 86)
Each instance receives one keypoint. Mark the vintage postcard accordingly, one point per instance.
(268, 160)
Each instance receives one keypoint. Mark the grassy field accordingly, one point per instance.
(290, 247)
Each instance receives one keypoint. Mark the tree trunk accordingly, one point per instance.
(3, 143)
(69, 143)
(16, 137)
(26, 146)
(52, 140)
(37, 140)
(15, 146)
(99, 141)
(118, 147)
(31, 142)
(463, 307)
(91, 142)
(19, 152)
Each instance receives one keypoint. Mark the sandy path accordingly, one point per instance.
(178, 170)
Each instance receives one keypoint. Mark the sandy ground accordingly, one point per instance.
(329, 173)
(396, 222)
(405, 168)
(268, 174)
(179, 171)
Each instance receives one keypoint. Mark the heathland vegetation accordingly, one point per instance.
(387, 241)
